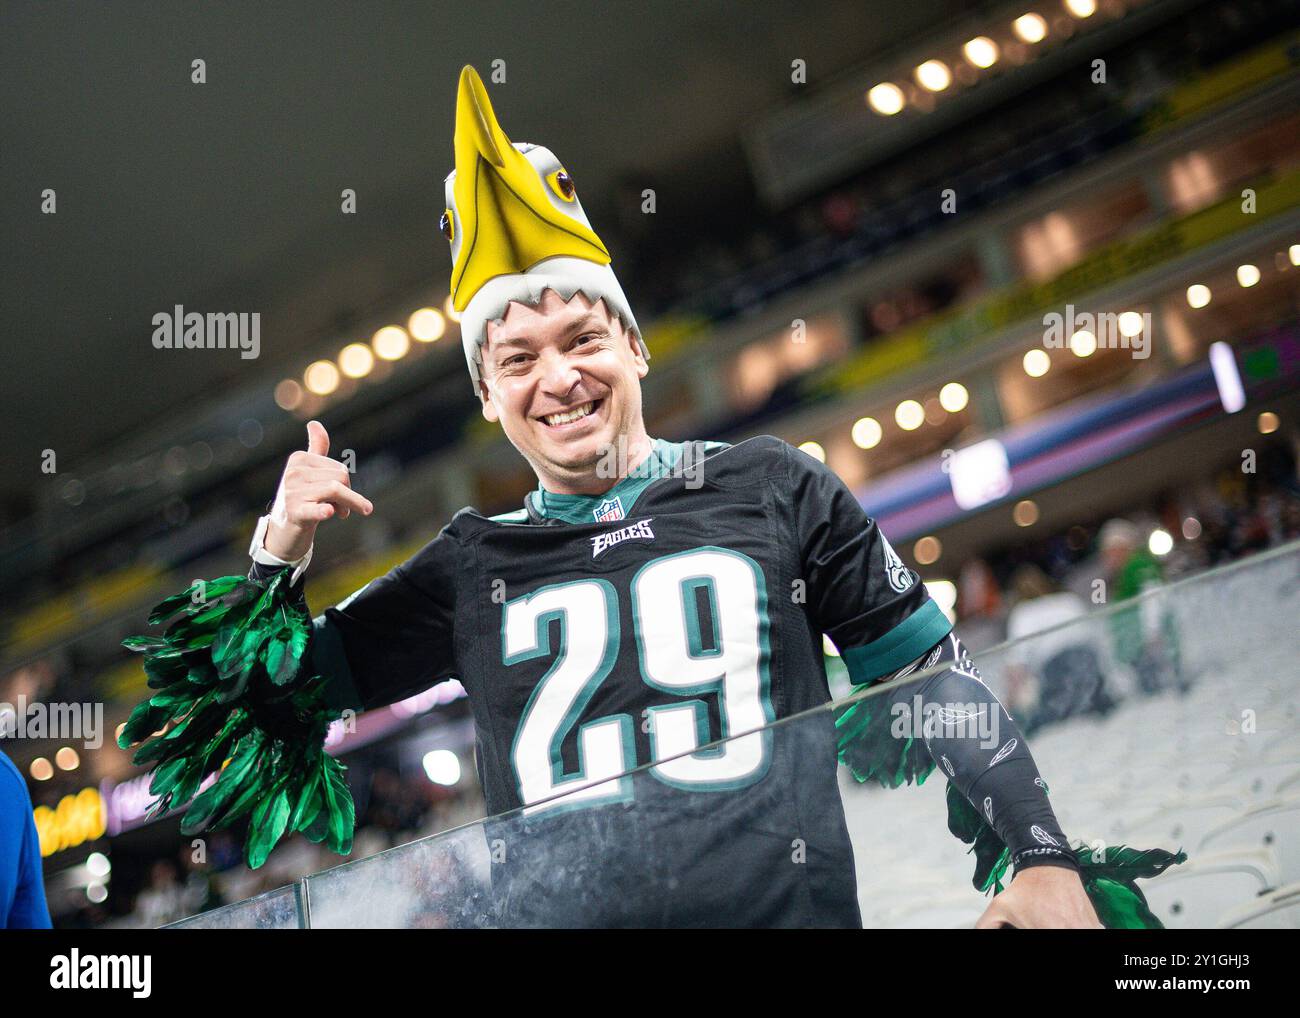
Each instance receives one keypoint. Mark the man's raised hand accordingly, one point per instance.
(312, 489)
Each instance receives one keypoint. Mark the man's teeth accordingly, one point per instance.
(577, 413)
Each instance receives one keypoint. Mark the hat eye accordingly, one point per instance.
(562, 184)
(444, 224)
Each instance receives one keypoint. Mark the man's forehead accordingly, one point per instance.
(520, 320)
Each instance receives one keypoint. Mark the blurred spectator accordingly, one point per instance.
(163, 901)
(979, 605)
(398, 807)
(199, 893)
(1064, 664)
(1145, 637)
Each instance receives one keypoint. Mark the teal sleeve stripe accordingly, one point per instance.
(904, 643)
(329, 658)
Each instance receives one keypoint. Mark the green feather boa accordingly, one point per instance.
(229, 674)
(871, 752)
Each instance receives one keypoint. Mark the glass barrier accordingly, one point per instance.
(275, 910)
(1166, 721)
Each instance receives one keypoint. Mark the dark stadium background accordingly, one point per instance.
(775, 200)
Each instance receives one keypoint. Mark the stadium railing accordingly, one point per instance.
(1168, 721)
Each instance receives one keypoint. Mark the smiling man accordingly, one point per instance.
(648, 599)
(563, 381)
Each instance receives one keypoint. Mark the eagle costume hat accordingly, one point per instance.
(516, 228)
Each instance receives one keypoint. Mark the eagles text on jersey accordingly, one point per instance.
(597, 634)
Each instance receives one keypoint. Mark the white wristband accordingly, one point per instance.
(259, 554)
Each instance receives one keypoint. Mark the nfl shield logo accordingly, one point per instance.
(610, 509)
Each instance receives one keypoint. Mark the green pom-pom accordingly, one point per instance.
(196, 598)
(230, 669)
(145, 719)
(871, 751)
(310, 803)
(1111, 883)
(269, 821)
(339, 808)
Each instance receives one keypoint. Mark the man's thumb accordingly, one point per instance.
(318, 439)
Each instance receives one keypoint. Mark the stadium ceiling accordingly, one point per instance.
(225, 196)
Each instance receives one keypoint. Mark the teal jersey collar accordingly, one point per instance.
(618, 501)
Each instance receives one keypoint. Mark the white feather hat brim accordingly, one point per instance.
(566, 276)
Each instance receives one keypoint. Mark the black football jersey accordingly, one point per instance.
(595, 635)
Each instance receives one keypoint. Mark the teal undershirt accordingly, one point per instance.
(663, 460)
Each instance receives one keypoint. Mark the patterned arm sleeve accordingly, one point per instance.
(886, 625)
(981, 750)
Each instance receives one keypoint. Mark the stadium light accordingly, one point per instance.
(1130, 324)
(909, 414)
(1247, 275)
(979, 474)
(1226, 376)
(1198, 295)
(1160, 542)
(933, 75)
(1293, 252)
(1036, 363)
(288, 395)
(356, 360)
(886, 98)
(442, 766)
(1030, 28)
(953, 397)
(321, 378)
(1081, 8)
(427, 325)
(927, 550)
(391, 343)
(981, 52)
(1083, 343)
(814, 450)
(867, 433)
(1025, 513)
(944, 593)
(1268, 422)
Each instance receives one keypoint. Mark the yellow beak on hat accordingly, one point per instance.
(508, 212)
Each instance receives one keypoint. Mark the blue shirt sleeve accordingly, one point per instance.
(22, 885)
